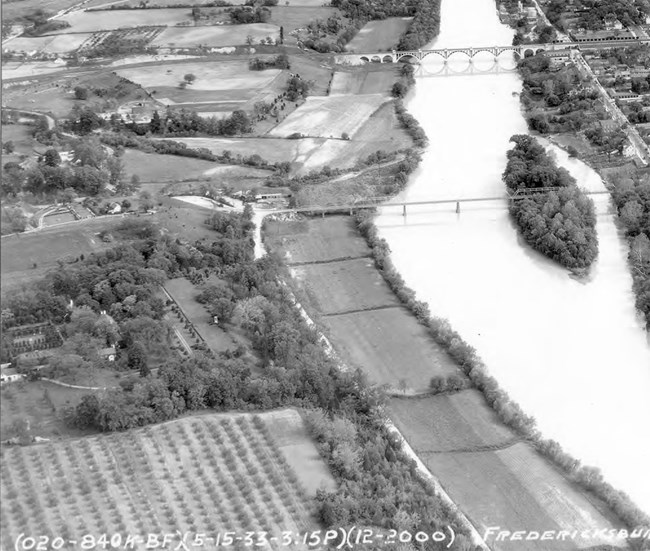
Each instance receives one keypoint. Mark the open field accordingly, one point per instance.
(330, 116)
(58, 44)
(370, 79)
(13, 10)
(42, 404)
(183, 293)
(44, 248)
(517, 487)
(152, 167)
(21, 135)
(316, 239)
(449, 422)
(152, 3)
(92, 21)
(379, 36)
(214, 36)
(390, 346)
(338, 287)
(18, 69)
(58, 219)
(293, 16)
(198, 474)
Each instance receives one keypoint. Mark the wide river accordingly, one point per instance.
(573, 354)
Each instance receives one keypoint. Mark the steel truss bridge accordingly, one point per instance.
(376, 202)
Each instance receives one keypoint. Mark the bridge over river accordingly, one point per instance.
(375, 202)
(520, 50)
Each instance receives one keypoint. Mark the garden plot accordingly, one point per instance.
(199, 474)
(92, 21)
(215, 36)
(51, 44)
(330, 116)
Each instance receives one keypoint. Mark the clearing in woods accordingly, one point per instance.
(198, 474)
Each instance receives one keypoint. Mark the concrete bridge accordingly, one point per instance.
(521, 50)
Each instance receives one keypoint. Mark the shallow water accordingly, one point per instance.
(574, 354)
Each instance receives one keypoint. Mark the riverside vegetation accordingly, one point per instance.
(508, 411)
(560, 224)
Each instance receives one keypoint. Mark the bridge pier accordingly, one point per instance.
(404, 210)
(457, 207)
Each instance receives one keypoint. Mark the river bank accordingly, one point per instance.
(458, 436)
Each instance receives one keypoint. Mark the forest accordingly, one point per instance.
(560, 224)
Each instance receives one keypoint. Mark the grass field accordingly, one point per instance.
(45, 248)
(152, 167)
(294, 17)
(152, 3)
(316, 239)
(42, 404)
(215, 36)
(183, 292)
(12, 10)
(58, 219)
(330, 117)
(21, 135)
(92, 21)
(342, 286)
(517, 487)
(369, 79)
(449, 422)
(51, 44)
(379, 36)
(207, 473)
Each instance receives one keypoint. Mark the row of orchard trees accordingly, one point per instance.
(560, 224)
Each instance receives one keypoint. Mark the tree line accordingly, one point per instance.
(560, 224)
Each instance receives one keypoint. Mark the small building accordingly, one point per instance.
(108, 353)
(114, 208)
(608, 126)
(10, 375)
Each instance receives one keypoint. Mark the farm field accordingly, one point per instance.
(516, 486)
(379, 36)
(293, 16)
(44, 248)
(370, 79)
(17, 69)
(338, 287)
(183, 293)
(214, 36)
(153, 167)
(316, 239)
(92, 21)
(106, 4)
(42, 404)
(461, 421)
(51, 44)
(198, 474)
(330, 116)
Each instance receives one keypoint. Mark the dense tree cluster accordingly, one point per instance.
(91, 169)
(297, 88)
(410, 124)
(241, 15)
(592, 14)
(278, 62)
(560, 224)
(188, 123)
(424, 27)
(562, 94)
(632, 198)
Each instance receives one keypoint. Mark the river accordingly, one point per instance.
(573, 354)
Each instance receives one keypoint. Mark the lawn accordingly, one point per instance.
(42, 404)
(516, 488)
(379, 36)
(152, 167)
(214, 36)
(330, 116)
(449, 422)
(201, 474)
(92, 21)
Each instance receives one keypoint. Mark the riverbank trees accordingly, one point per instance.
(561, 223)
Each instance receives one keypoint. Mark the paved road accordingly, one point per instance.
(641, 148)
